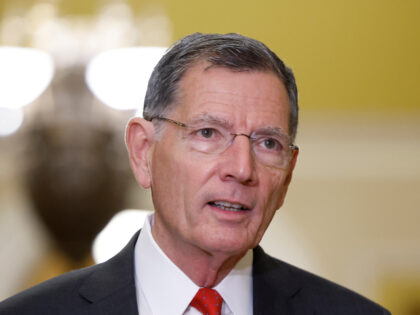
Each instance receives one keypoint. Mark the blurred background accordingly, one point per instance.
(352, 214)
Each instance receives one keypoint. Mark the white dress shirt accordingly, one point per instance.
(159, 279)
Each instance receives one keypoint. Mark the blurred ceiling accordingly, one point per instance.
(347, 55)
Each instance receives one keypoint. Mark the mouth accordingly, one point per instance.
(229, 206)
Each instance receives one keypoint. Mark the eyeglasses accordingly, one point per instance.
(271, 146)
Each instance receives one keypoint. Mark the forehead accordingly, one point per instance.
(247, 98)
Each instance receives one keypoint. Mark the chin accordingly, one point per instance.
(228, 246)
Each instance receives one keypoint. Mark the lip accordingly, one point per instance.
(229, 206)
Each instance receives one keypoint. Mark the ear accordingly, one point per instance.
(139, 139)
(288, 176)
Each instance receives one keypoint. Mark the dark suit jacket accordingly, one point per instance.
(109, 288)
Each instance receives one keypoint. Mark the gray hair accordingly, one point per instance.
(232, 51)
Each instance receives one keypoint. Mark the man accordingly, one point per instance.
(216, 148)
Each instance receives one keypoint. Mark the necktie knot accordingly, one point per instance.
(208, 302)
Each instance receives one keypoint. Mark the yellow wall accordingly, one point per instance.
(345, 53)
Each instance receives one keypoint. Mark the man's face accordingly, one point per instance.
(189, 188)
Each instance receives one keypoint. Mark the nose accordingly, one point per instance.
(238, 163)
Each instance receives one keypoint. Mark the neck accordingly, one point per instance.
(204, 268)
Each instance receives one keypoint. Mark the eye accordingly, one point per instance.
(271, 144)
(206, 132)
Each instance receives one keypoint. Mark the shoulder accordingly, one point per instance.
(50, 297)
(307, 293)
(92, 290)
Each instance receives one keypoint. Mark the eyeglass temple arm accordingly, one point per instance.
(169, 120)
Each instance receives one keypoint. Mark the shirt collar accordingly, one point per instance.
(236, 287)
(153, 268)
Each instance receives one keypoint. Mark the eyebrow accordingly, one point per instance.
(274, 131)
(210, 119)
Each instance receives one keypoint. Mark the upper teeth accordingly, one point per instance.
(225, 204)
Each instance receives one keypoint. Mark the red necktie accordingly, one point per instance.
(208, 302)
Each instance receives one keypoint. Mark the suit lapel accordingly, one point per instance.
(111, 288)
(273, 286)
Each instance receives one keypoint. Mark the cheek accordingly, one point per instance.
(271, 195)
(272, 190)
(166, 177)
(179, 176)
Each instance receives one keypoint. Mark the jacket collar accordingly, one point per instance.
(274, 285)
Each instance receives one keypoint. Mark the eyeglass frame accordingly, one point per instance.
(292, 146)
